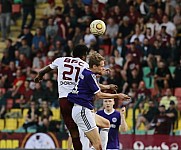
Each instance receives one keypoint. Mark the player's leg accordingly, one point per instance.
(104, 124)
(86, 145)
(85, 120)
(66, 112)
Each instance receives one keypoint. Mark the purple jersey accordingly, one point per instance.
(115, 121)
(84, 91)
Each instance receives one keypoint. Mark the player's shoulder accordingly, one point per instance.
(100, 112)
(87, 71)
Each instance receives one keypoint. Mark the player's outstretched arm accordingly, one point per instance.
(112, 87)
(120, 96)
(41, 73)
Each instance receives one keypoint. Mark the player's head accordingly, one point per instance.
(80, 51)
(96, 62)
(108, 104)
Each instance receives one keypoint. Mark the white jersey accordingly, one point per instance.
(69, 69)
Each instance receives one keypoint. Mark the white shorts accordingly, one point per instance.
(84, 118)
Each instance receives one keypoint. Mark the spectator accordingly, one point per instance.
(39, 94)
(49, 11)
(118, 58)
(69, 48)
(143, 92)
(52, 94)
(120, 46)
(138, 34)
(78, 35)
(26, 33)
(170, 27)
(173, 52)
(172, 113)
(36, 39)
(2, 104)
(89, 38)
(51, 29)
(26, 95)
(58, 49)
(135, 52)
(177, 18)
(24, 62)
(177, 75)
(162, 123)
(162, 77)
(142, 7)
(112, 29)
(9, 73)
(147, 52)
(10, 49)
(5, 18)
(45, 117)
(126, 29)
(165, 100)
(25, 48)
(147, 115)
(165, 37)
(159, 15)
(116, 14)
(153, 25)
(28, 8)
(32, 116)
(133, 14)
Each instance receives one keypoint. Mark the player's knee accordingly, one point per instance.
(107, 124)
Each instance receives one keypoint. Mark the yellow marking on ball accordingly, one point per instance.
(99, 26)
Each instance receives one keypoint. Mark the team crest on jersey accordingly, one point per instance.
(114, 119)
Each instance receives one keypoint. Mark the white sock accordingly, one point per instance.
(104, 137)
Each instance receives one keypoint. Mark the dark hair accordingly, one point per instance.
(80, 50)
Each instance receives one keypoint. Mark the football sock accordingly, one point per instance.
(104, 137)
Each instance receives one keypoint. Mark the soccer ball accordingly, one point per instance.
(97, 27)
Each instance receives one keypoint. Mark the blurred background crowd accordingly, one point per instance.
(142, 47)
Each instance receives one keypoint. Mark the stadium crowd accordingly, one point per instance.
(142, 47)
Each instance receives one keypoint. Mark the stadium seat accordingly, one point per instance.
(25, 112)
(3, 144)
(146, 70)
(9, 144)
(15, 143)
(172, 69)
(16, 110)
(148, 82)
(11, 124)
(140, 132)
(56, 114)
(20, 122)
(1, 124)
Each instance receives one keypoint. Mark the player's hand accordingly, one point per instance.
(123, 110)
(113, 87)
(38, 78)
(123, 97)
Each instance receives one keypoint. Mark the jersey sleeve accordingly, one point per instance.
(92, 83)
(55, 63)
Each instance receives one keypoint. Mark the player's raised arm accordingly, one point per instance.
(41, 73)
(123, 126)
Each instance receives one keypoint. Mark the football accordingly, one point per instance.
(97, 27)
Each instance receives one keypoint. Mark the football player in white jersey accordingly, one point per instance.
(69, 69)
